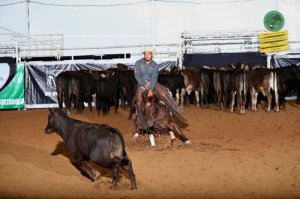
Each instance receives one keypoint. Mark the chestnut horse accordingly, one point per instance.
(161, 118)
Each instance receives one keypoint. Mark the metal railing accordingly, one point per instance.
(220, 41)
(21, 46)
(52, 45)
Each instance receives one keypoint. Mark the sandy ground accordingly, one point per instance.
(232, 156)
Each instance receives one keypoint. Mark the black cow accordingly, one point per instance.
(205, 85)
(128, 86)
(227, 82)
(217, 83)
(75, 87)
(223, 86)
(62, 87)
(289, 80)
(88, 88)
(107, 91)
(298, 83)
(99, 143)
(174, 81)
(68, 86)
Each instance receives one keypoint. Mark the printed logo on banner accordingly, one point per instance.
(12, 86)
(4, 75)
(50, 82)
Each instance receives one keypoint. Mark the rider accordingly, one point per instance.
(146, 74)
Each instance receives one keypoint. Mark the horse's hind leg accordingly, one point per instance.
(175, 128)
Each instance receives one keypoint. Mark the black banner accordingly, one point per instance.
(40, 88)
(223, 59)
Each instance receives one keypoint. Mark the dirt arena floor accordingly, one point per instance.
(232, 156)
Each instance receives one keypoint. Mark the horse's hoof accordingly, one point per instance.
(188, 142)
(135, 136)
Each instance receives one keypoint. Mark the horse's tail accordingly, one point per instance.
(181, 121)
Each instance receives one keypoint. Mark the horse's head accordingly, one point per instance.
(150, 104)
(149, 99)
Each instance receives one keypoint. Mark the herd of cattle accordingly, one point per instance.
(232, 87)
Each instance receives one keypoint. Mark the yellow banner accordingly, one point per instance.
(272, 39)
(274, 44)
(272, 34)
(274, 49)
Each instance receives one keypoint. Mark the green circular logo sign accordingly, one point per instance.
(274, 21)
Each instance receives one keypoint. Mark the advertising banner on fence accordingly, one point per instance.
(40, 88)
(11, 86)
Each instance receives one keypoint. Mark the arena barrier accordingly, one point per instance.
(223, 59)
(31, 85)
(40, 88)
(11, 86)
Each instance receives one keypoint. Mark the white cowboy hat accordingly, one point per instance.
(148, 49)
